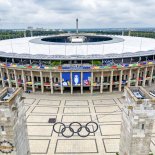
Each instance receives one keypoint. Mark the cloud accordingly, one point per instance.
(62, 13)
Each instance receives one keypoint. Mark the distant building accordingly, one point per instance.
(30, 28)
(137, 122)
(39, 29)
(13, 129)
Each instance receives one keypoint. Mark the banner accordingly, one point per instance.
(66, 79)
(76, 78)
(87, 78)
(76, 67)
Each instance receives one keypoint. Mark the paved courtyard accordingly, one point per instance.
(105, 110)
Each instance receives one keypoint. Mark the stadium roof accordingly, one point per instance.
(131, 47)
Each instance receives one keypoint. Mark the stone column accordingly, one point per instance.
(61, 83)
(151, 76)
(129, 78)
(144, 79)
(42, 82)
(16, 79)
(111, 80)
(120, 80)
(81, 82)
(24, 81)
(92, 82)
(137, 124)
(51, 82)
(2, 76)
(71, 82)
(137, 79)
(32, 78)
(101, 87)
(8, 75)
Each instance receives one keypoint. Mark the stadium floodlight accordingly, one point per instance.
(77, 26)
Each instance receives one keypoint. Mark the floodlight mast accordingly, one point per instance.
(77, 26)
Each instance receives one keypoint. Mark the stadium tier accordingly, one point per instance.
(77, 78)
(107, 64)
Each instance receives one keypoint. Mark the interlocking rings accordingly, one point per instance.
(82, 130)
(6, 147)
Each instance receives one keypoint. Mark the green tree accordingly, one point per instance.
(97, 62)
(55, 63)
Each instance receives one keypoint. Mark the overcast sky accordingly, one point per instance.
(91, 13)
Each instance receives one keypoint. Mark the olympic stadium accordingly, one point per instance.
(77, 63)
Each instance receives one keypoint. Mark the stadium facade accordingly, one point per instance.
(124, 61)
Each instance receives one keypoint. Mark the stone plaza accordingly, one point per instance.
(104, 109)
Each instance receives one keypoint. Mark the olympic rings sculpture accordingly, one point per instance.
(73, 131)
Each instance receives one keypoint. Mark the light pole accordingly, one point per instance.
(77, 26)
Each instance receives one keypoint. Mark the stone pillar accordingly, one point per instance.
(42, 82)
(137, 79)
(101, 87)
(24, 81)
(151, 76)
(92, 82)
(2, 76)
(8, 75)
(29, 78)
(129, 78)
(71, 82)
(61, 83)
(81, 82)
(32, 78)
(13, 136)
(137, 124)
(16, 79)
(51, 82)
(111, 80)
(120, 80)
(144, 79)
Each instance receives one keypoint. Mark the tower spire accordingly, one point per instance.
(77, 26)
